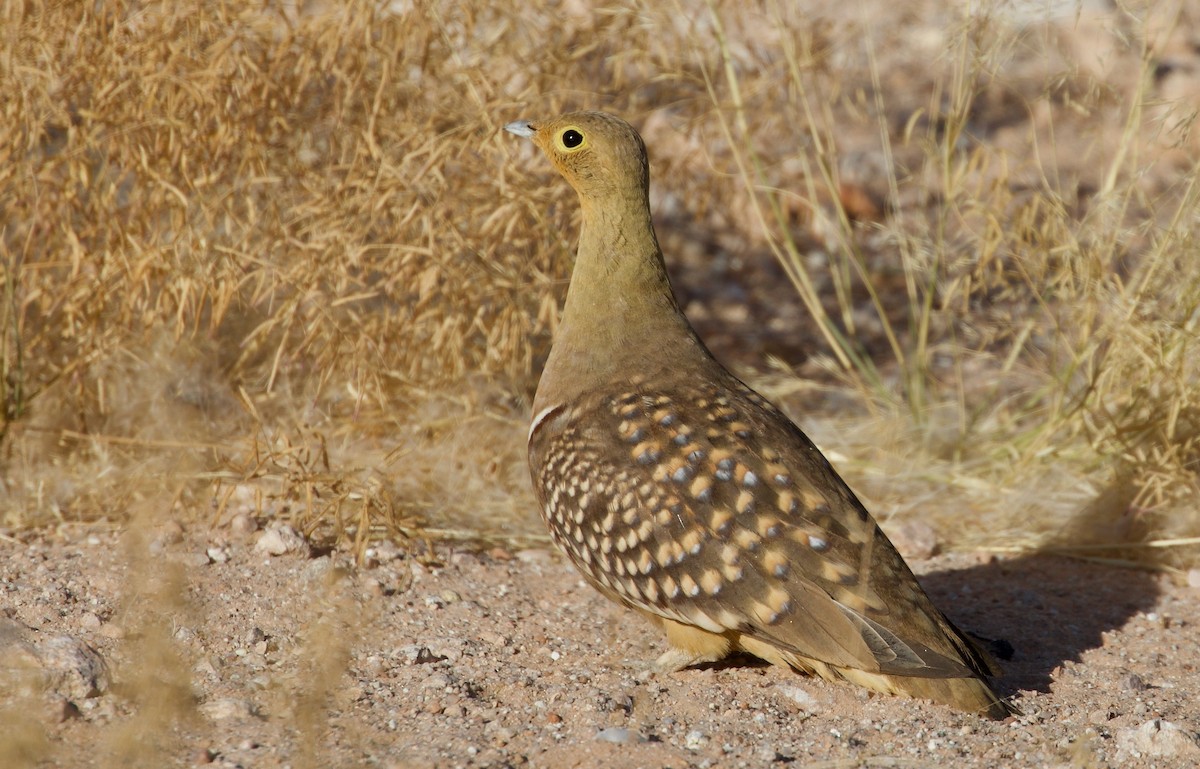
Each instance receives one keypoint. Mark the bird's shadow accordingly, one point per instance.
(1050, 608)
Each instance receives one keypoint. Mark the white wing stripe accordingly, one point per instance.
(541, 416)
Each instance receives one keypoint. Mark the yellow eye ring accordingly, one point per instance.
(570, 140)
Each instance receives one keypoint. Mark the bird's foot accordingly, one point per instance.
(674, 660)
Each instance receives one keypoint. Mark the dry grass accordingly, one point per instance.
(282, 258)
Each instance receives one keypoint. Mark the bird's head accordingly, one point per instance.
(599, 154)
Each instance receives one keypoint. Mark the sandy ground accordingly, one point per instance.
(199, 648)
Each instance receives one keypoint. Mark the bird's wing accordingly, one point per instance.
(704, 504)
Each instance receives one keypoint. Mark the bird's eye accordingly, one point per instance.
(571, 138)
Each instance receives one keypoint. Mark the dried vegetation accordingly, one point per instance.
(281, 255)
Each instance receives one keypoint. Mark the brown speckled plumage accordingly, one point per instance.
(680, 492)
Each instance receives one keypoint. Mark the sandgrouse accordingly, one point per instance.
(680, 492)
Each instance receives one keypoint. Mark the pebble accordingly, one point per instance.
(385, 551)
(322, 571)
(112, 630)
(694, 740)
(196, 560)
(799, 696)
(493, 638)
(767, 752)
(74, 670)
(620, 735)
(243, 524)
(1158, 738)
(417, 655)
(373, 587)
(538, 557)
(60, 709)
(1193, 578)
(226, 708)
(281, 539)
(436, 681)
(169, 533)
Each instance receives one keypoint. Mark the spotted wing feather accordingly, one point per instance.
(703, 504)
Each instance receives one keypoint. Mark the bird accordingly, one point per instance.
(679, 492)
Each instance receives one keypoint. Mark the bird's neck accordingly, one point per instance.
(620, 316)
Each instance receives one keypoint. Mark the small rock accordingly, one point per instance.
(384, 551)
(217, 554)
(243, 524)
(417, 655)
(60, 709)
(168, 533)
(916, 540)
(799, 696)
(1134, 683)
(373, 587)
(436, 681)
(227, 708)
(112, 631)
(1193, 578)
(203, 756)
(501, 735)
(323, 571)
(1156, 738)
(90, 621)
(620, 735)
(535, 557)
(449, 649)
(196, 559)
(281, 539)
(74, 670)
(493, 638)
(255, 635)
(767, 752)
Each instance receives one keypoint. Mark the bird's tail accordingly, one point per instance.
(972, 695)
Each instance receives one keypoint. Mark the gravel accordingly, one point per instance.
(497, 659)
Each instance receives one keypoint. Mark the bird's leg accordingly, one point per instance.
(673, 660)
(690, 645)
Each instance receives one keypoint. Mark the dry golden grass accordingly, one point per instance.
(281, 256)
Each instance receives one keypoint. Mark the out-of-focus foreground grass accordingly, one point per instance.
(281, 257)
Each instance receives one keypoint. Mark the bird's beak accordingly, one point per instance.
(521, 128)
